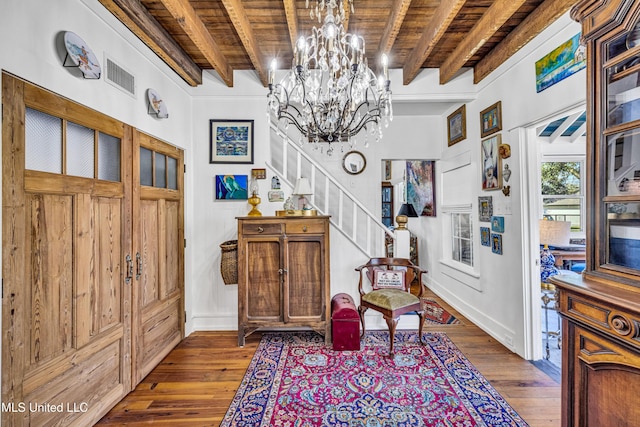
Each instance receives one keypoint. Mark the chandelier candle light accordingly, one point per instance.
(330, 94)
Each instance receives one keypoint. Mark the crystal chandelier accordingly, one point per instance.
(330, 94)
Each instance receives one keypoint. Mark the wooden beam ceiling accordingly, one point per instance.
(532, 25)
(138, 19)
(292, 20)
(187, 18)
(487, 25)
(241, 23)
(433, 32)
(393, 26)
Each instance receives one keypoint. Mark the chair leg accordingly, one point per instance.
(392, 323)
(361, 311)
(422, 316)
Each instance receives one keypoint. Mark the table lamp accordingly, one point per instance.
(554, 233)
(302, 189)
(406, 211)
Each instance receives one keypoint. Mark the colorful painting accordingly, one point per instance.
(420, 183)
(491, 119)
(485, 236)
(496, 243)
(485, 208)
(497, 224)
(491, 163)
(231, 141)
(457, 126)
(560, 63)
(231, 187)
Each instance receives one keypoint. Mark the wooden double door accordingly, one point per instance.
(93, 244)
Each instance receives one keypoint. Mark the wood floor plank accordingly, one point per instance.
(195, 383)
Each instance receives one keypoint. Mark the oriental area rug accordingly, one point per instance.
(295, 380)
(435, 314)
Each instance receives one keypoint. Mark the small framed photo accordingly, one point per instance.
(491, 119)
(457, 126)
(497, 224)
(231, 141)
(485, 208)
(276, 195)
(231, 187)
(259, 173)
(491, 163)
(485, 236)
(387, 170)
(496, 243)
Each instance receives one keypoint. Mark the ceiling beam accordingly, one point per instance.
(292, 20)
(494, 18)
(393, 26)
(186, 16)
(138, 19)
(241, 23)
(546, 13)
(347, 15)
(431, 35)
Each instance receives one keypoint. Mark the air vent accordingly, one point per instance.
(119, 77)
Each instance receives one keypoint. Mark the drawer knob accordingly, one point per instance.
(620, 324)
(304, 228)
(260, 230)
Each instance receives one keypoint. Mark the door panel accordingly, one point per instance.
(305, 293)
(158, 291)
(263, 293)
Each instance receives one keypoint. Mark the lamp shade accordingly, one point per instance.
(408, 210)
(554, 233)
(302, 187)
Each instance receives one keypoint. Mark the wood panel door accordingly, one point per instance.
(66, 228)
(304, 293)
(158, 241)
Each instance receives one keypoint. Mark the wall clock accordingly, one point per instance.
(354, 162)
(80, 55)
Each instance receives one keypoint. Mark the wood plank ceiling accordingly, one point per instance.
(226, 35)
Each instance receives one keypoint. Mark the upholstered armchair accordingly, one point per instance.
(390, 295)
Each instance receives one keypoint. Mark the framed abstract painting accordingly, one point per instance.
(420, 182)
(231, 187)
(231, 141)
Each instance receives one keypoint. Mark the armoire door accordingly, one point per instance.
(304, 293)
(66, 227)
(158, 242)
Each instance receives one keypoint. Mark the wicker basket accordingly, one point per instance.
(229, 262)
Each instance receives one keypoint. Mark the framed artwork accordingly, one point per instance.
(259, 173)
(276, 195)
(491, 119)
(491, 163)
(485, 208)
(485, 236)
(231, 187)
(496, 243)
(420, 182)
(387, 170)
(497, 224)
(565, 60)
(457, 126)
(231, 141)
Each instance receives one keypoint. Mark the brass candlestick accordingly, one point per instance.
(254, 201)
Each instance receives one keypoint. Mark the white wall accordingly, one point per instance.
(28, 49)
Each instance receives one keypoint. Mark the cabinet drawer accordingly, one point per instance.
(261, 228)
(302, 227)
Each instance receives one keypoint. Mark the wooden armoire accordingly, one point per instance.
(601, 309)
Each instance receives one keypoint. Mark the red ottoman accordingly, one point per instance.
(345, 323)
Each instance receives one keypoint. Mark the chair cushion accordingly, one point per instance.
(390, 299)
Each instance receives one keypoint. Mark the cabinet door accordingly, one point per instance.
(305, 278)
(264, 278)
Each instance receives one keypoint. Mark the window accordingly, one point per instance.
(462, 238)
(563, 192)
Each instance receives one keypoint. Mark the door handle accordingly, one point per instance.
(129, 269)
(138, 265)
(282, 270)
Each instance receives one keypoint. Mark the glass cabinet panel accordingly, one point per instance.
(623, 163)
(623, 91)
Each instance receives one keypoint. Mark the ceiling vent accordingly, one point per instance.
(119, 77)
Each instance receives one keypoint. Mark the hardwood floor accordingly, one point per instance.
(195, 383)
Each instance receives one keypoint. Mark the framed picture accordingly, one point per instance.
(259, 173)
(496, 243)
(231, 141)
(491, 119)
(420, 190)
(491, 163)
(565, 60)
(231, 187)
(497, 224)
(387, 170)
(485, 236)
(457, 126)
(485, 208)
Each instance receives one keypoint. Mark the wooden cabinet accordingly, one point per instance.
(601, 308)
(283, 274)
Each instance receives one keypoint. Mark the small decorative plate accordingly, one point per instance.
(81, 56)
(156, 105)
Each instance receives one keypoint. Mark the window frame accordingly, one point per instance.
(581, 195)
